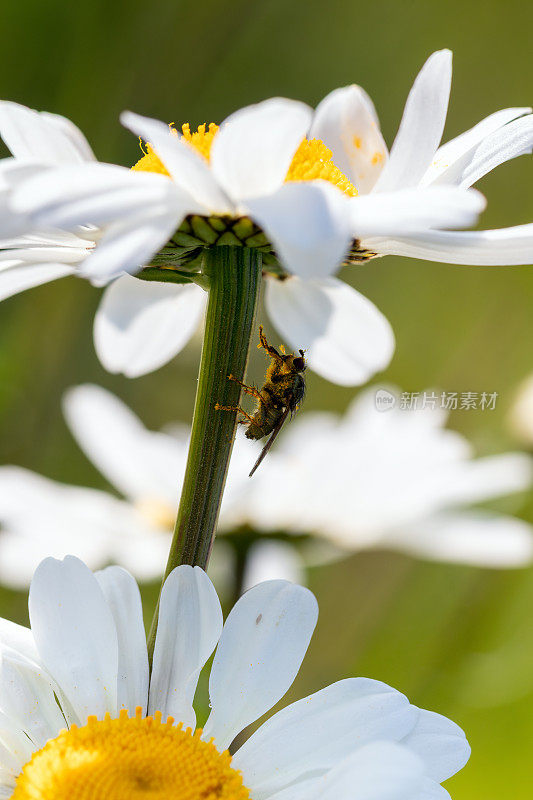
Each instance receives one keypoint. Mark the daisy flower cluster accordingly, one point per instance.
(311, 190)
(427, 473)
(88, 709)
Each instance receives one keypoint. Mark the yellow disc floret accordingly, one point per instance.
(150, 162)
(201, 139)
(129, 758)
(312, 161)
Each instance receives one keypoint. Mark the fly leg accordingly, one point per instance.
(263, 343)
(251, 390)
(240, 410)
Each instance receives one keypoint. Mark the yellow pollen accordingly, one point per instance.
(377, 158)
(150, 162)
(130, 758)
(312, 161)
(358, 142)
(201, 139)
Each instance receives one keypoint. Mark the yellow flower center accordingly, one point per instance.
(201, 139)
(129, 758)
(312, 161)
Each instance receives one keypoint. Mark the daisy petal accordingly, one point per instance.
(141, 325)
(480, 538)
(124, 600)
(29, 699)
(140, 463)
(261, 648)
(65, 197)
(451, 158)
(13, 172)
(189, 626)
(129, 244)
(303, 790)
(345, 121)
(47, 138)
(75, 635)
(511, 141)
(51, 242)
(432, 791)
(345, 337)
(145, 562)
(315, 733)
(309, 225)
(440, 743)
(500, 247)
(19, 277)
(253, 150)
(19, 250)
(272, 560)
(76, 138)
(397, 213)
(18, 638)
(41, 517)
(15, 749)
(189, 170)
(475, 481)
(379, 771)
(422, 125)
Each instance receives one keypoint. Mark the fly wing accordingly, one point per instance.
(298, 395)
(271, 439)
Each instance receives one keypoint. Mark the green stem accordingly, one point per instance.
(234, 275)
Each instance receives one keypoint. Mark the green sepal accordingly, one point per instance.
(203, 230)
(228, 238)
(219, 224)
(243, 229)
(258, 240)
(183, 239)
(165, 275)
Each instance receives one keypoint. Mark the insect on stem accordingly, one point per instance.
(280, 395)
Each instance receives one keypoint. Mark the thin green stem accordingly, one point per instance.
(234, 275)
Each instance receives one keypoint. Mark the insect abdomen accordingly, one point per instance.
(263, 423)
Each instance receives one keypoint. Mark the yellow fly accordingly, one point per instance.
(280, 395)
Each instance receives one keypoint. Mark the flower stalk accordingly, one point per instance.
(234, 278)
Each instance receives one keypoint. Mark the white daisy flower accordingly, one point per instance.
(393, 479)
(41, 517)
(139, 208)
(310, 189)
(327, 478)
(82, 718)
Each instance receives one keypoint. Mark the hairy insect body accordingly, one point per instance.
(283, 390)
(280, 395)
(263, 421)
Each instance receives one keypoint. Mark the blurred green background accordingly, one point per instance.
(458, 640)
